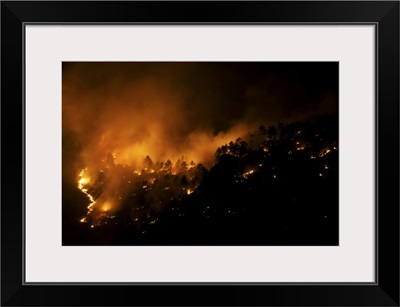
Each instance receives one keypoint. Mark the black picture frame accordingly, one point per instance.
(383, 14)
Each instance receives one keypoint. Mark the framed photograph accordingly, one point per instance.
(200, 153)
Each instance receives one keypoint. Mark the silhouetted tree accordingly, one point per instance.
(271, 132)
(148, 163)
(184, 166)
(110, 160)
(262, 130)
(168, 165)
(159, 166)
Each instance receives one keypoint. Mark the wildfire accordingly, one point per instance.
(109, 186)
(83, 180)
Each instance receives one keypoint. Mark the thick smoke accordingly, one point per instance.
(167, 110)
(170, 110)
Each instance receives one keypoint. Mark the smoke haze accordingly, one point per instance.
(170, 110)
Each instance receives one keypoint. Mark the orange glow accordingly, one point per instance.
(324, 152)
(245, 175)
(139, 138)
(82, 181)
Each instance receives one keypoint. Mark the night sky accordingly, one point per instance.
(120, 120)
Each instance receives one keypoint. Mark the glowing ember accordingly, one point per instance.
(325, 152)
(245, 175)
(153, 221)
